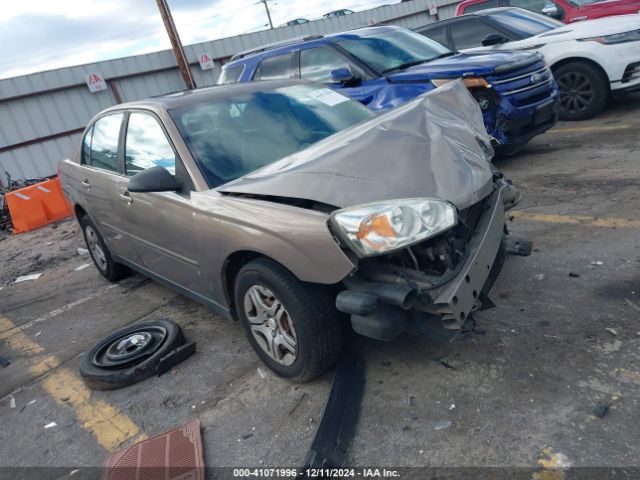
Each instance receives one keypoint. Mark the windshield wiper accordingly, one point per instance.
(404, 66)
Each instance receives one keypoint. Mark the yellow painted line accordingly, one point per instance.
(600, 128)
(110, 427)
(605, 222)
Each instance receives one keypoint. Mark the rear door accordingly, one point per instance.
(160, 223)
(317, 63)
(100, 172)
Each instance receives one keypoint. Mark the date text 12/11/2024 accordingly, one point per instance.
(315, 473)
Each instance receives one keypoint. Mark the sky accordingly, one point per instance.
(38, 35)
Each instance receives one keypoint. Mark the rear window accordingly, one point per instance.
(525, 23)
(230, 74)
(232, 137)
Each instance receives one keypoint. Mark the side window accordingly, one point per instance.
(230, 74)
(104, 142)
(316, 64)
(275, 68)
(86, 147)
(436, 34)
(146, 145)
(534, 5)
(476, 7)
(469, 34)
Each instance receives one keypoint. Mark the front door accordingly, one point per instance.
(100, 174)
(317, 63)
(160, 223)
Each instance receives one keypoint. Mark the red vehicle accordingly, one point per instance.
(567, 11)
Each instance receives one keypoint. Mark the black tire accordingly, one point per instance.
(107, 267)
(308, 308)
(99, 377)
(584, 90)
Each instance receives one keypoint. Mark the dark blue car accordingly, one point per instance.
(385, 66)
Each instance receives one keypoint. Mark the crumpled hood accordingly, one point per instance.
(428, 147)
(482, 63)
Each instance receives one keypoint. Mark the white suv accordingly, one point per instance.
(590, 59)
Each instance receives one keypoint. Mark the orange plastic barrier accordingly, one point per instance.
(37, 205)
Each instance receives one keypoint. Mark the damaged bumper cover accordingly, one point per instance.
(382, 307)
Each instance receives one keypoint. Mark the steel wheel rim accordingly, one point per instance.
(576, 92)
(129, 348)
(271, 325)
(95, 249)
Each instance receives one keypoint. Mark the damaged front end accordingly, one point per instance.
(444, 278)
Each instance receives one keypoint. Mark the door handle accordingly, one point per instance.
(86, 184)
(125, 196)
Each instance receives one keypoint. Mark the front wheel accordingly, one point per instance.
(584, 90)
(292, 326)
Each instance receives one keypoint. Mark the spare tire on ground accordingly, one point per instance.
(134, 353)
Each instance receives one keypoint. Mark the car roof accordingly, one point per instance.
(206, 94)
(285, 45)
(479, 13)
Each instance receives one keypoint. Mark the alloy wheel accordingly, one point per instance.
(576, 92)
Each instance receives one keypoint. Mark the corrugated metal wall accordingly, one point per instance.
(42, 114)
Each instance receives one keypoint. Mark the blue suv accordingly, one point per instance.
(385, 66)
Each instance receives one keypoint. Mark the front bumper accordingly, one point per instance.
(385, 310)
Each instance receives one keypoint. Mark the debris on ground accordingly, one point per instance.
(452, 407)
(612, 331)
(539, 276)
(338, 422)
(27, 278)
(175, 454)
(82, 251)
(601, 409)
(51, 425)
(574, 274)
(443, 424)
(82, 267)
(12, 401)
(597, 263)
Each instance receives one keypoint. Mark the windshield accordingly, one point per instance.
(393, 50)
(524, 23)
(234, 136)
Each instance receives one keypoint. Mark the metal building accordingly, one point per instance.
(43, 114)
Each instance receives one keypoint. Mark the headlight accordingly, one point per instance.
(469, 82)
(632, 36)
(377, 228)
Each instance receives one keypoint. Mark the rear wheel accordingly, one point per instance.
(584, 90)
(293, 326)
(100, 254)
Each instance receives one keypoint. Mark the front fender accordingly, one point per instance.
(297, 238)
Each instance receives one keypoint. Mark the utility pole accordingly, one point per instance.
(178, 51)
(266, 7)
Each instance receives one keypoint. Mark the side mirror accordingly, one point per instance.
(551, 10)
(493, 39)
(344, 76)
(154, 179)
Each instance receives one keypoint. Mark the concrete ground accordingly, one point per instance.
(565, 335)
